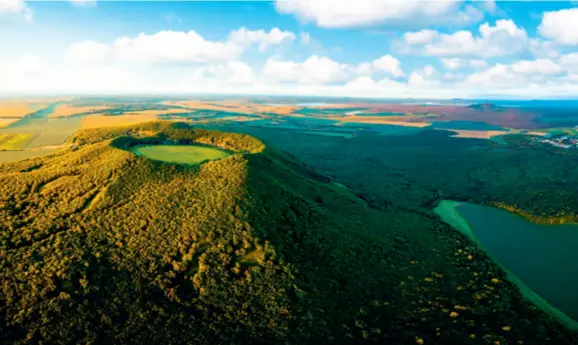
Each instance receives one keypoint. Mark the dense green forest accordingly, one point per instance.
(532, 179)
(100, 246)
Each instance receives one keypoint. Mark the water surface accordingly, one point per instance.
(543, 257)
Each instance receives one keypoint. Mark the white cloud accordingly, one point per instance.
(498, 74)
(425, 76)
(504, 38)
(190, 47)
(175, 46)
(16, 7)
(490, 6)
(420, 37)
(305, 38)
(477, 63)
(569, 61)
(245, 37)
(452, 63)
(356, 13)
(457, 63)
(389, 65)
(538, 66)
(81, 3)
(24, 65)
(233, 72)
(560, 26)
(544, 48)
(517, 75)
(86, 53)
(314, 70)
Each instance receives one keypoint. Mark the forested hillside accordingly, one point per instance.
(100, 246)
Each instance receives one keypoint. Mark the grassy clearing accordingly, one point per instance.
(14, 141)
(182, 154)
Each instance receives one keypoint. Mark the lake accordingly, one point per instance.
(543, 257)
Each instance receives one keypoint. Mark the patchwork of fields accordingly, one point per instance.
(28, 127)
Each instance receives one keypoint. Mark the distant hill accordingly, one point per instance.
(101, 246)
(489, 107)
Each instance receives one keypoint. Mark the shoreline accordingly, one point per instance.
(448, 212)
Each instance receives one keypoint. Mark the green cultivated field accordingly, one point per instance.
(183, 154)
(14, 141)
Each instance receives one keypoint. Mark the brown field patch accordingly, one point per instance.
(276, 109)
(466, 133)
(66, 110)
(101, 121)
(381, 120)
(235, 106)
(204, 105)
(154, 112)
(540, 134)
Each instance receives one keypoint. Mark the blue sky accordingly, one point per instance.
(357, 48)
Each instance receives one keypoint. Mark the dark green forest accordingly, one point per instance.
(532, 179)
(100, 246)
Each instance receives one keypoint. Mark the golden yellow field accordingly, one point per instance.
(18, 109)
(69, 110)
(7, 121)
(101, 121)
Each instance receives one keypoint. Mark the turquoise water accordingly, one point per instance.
(33, 118)
(544, 257)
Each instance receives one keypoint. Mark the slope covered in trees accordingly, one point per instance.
(98, 245)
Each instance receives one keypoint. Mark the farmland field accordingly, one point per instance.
(182, 154)
(66, 110)
(14, 141)
(6, 121)
(100, 121)
(12, 156)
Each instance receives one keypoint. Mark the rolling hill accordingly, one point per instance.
(102, 246)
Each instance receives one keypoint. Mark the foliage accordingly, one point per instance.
(98, 245)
